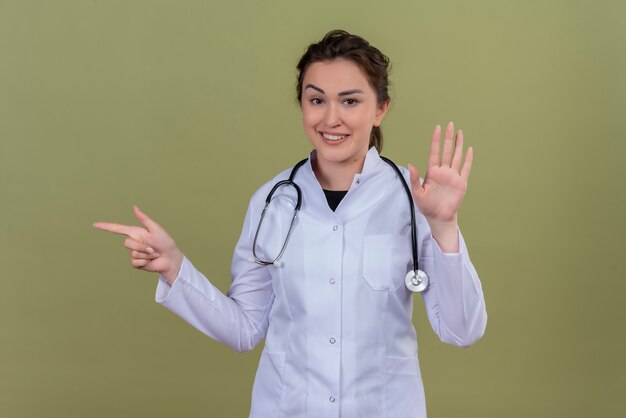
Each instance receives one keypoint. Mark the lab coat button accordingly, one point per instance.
(332, 399)
(332, 340)
(336, 227)
(331, 280)
(358, 181)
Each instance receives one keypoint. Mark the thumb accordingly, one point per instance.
(145, 220)
(416, 186)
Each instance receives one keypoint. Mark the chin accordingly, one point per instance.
(337, 156)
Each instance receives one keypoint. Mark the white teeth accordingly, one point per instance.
(333, 137)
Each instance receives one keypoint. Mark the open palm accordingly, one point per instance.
(439, 197)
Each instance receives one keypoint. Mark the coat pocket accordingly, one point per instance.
(268, 385)
(386, 260)
(404, 391)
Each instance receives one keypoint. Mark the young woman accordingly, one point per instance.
(325, 285)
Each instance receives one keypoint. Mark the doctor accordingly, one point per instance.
(334, 310)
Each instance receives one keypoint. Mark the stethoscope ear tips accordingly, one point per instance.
(416, 281)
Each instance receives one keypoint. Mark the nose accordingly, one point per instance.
(332, 118)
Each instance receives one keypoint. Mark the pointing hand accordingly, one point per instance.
(151, 247)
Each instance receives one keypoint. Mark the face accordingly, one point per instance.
(339, 109)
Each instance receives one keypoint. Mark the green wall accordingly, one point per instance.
(186, 107)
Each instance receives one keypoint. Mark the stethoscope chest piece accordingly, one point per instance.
(416, 281)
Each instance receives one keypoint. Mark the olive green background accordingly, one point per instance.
(186, 107)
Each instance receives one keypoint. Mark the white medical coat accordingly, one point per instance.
(335, 312)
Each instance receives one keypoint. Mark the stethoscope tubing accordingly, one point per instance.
(413, 223)
(416, 280)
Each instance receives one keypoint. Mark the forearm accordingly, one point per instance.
(458, 297)
(238, 320)
(454, 300)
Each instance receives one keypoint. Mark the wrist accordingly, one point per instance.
(172, 273)
(446, 234)
(441, 226)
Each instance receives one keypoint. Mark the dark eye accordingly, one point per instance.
(351, 102)
(316, 101)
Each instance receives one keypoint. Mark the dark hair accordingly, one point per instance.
(339, 44)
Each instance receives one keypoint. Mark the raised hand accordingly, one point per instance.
(439, 197)
(151, 247)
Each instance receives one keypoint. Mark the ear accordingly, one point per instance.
(381, 111)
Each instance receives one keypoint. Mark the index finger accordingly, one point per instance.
(115, 228)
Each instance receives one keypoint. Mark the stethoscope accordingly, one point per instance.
(416, 280)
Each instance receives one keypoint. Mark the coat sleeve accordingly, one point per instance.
(454, 299)
(238, 319)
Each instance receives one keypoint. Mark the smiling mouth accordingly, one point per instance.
(333, 138)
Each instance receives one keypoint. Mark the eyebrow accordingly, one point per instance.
(343, 93)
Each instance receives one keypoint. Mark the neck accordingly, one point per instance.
(337, 176)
